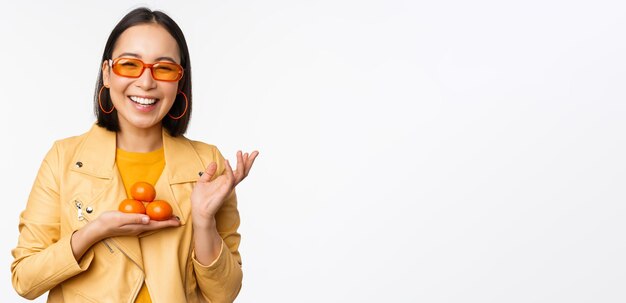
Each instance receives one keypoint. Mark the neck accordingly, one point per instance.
(140, 140)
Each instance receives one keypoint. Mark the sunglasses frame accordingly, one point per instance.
(113, 62)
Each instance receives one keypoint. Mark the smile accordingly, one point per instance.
(142, 100)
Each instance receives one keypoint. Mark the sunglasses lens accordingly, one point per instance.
(166, 71)
(128, 67)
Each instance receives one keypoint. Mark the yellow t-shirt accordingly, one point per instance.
(134, 167)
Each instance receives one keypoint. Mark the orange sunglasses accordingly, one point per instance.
(133, 68)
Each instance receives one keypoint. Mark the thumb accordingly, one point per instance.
(209, 172)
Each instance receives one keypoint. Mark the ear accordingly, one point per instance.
(106, 73)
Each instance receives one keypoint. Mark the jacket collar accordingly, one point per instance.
(96, 156)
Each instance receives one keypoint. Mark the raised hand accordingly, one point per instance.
(208, 195)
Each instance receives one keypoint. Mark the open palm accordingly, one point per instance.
(208, 195)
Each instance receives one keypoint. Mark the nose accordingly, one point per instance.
(145, 81)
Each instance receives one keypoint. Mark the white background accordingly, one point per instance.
(411, 151)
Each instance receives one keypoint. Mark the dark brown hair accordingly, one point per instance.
(138, 16)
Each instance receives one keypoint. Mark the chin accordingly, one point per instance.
(144, 122)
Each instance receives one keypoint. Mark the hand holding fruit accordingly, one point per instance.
(133, 217)
(115, 223)
(141, 192)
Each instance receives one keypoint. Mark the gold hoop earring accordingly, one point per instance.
(100, 102)
(185, 111)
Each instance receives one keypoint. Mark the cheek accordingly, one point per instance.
(117, 90)
(170, 92)
(119, 85)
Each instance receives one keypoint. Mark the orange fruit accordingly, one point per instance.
(159, 210)
(143, 191)
(132, 206)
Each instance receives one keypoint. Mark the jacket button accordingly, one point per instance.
(200, 174)
(89, 209)
(79, 164)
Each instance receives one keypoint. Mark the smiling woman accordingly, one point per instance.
(141, 99)
(136, 41)
(73, 235)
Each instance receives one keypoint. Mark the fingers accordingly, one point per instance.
(251, 161)
(137, 228)
(125, 219)
(244, 165)
(208, 172)
(228, 173)
(248, 160)
(172, 222)
(240, 161)
(239, 173)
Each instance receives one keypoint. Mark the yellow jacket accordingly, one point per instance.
(77, 181)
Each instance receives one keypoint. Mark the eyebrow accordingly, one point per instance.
(139, 57)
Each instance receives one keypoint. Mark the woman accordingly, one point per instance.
(74, 242)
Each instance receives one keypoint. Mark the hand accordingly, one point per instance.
(116, 223)
(111, 224)
(208, 195)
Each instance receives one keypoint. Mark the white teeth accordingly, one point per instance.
(143, 101)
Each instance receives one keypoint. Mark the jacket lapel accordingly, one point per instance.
(182, 162)
(96, 155)
(182, 168)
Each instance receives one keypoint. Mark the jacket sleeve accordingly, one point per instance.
(221, 280)
(43, 257)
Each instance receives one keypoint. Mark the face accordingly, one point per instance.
(142, 102)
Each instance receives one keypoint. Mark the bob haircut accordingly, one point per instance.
(139, 16)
